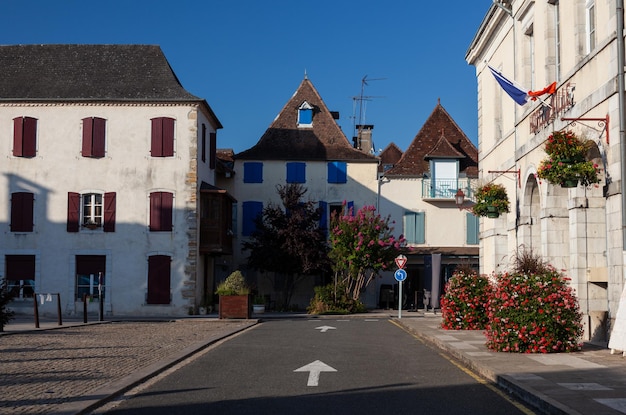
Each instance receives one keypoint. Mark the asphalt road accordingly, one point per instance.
(351, 366)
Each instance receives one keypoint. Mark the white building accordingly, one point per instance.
(577, 44)
(107, 176)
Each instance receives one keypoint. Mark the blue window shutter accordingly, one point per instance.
(296, 172)
(472, 229)
(324, 214)
(420, 228)
(409, 227)
(250, 211)
(337, 172)
(414, 227)
(350, 209)
(253, 172)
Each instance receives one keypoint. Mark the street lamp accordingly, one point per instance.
(459, 200)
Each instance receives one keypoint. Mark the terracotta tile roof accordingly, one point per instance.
(283, 140)
(440, 136)
(389, 156)
(225, 161)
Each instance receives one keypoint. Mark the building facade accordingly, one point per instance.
(580, 230)
(108, 180)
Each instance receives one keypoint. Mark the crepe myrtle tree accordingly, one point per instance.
(361, 245)
(288, 240)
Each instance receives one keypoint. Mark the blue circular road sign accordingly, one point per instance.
(400, 275)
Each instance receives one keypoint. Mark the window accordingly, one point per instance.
(91, 211)
(250, 211)
(253, 172)
(204, 143)
(90, 276)
(161, 209)
(414, 227)
(296, 172)
(22, 204)
(24, 137)
(305, 115)
(94, 130)
(591, 25)
(473, 227)
(20, 275)
(337, 172)
(162, 143)
(159, 279)
(212, 150)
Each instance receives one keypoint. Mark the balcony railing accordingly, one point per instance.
(445, 189)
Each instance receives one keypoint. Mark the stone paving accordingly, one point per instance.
(52, 371)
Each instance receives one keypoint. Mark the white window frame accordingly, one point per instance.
(305, 106)
(92, 219)
(590, 25)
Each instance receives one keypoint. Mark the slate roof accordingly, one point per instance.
(283, 140)
(88, 72)
(439, 137)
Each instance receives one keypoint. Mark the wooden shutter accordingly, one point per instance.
(420, 228)
(323, 207)
(99, 137)
(168, 137)
(29, 140)
(109, 211)
(87, 137)
(250, 211)
(212, 150)
(156, 147)
(159, 279)
(18, 135)
(473, 225)
(90, 264)
(253, 172)
(22, 212)
(203, 152)
(161, 209)
(73, 211)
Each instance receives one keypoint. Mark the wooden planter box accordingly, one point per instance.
(235, 306)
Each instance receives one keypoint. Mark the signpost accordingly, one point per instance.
(400, 276)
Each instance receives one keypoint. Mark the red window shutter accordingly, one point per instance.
(87, 137)
(99, 131)
(212, 149)
(22, 212)
(29, 140)
(161, 204)
(18, 135)
(109, 211)
(168, 137)
(73, 211)
(90, 264)
(156, 148)
(159, 279)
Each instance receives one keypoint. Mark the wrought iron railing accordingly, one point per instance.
(447, 188)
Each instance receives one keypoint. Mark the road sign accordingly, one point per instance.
(400, 275)
(401, 261)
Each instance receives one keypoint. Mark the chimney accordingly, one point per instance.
(363, 141)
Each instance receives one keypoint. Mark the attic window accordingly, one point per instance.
(305, 115)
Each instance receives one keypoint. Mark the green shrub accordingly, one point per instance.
(234, 284)
(331, 299)
(5, 298)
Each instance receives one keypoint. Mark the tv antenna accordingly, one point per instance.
(360, 103)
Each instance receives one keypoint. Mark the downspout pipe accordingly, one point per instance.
(622, 107)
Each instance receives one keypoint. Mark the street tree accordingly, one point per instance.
(362, 245)
(288, 240)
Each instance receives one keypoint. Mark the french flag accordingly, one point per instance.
(519, 95)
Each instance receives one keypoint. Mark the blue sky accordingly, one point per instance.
(246, 58)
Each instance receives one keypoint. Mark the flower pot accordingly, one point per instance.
(569, 183)
(493, 215)
(235, 306)
(492, 209)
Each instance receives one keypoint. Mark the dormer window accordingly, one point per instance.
(305, 115)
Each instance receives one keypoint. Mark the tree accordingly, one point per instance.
(290, 241)
(6, 296)
(361, 245)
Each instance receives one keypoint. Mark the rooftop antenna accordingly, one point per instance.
(358, 101)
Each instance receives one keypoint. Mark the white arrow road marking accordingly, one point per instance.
(324, 329)
(314, 369)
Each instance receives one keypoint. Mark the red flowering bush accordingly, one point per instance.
(533, 310)
(463, 306)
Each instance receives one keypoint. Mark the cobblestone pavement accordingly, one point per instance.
(61, 371)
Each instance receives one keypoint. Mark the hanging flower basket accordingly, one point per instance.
(491, 201)
(566, 164)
